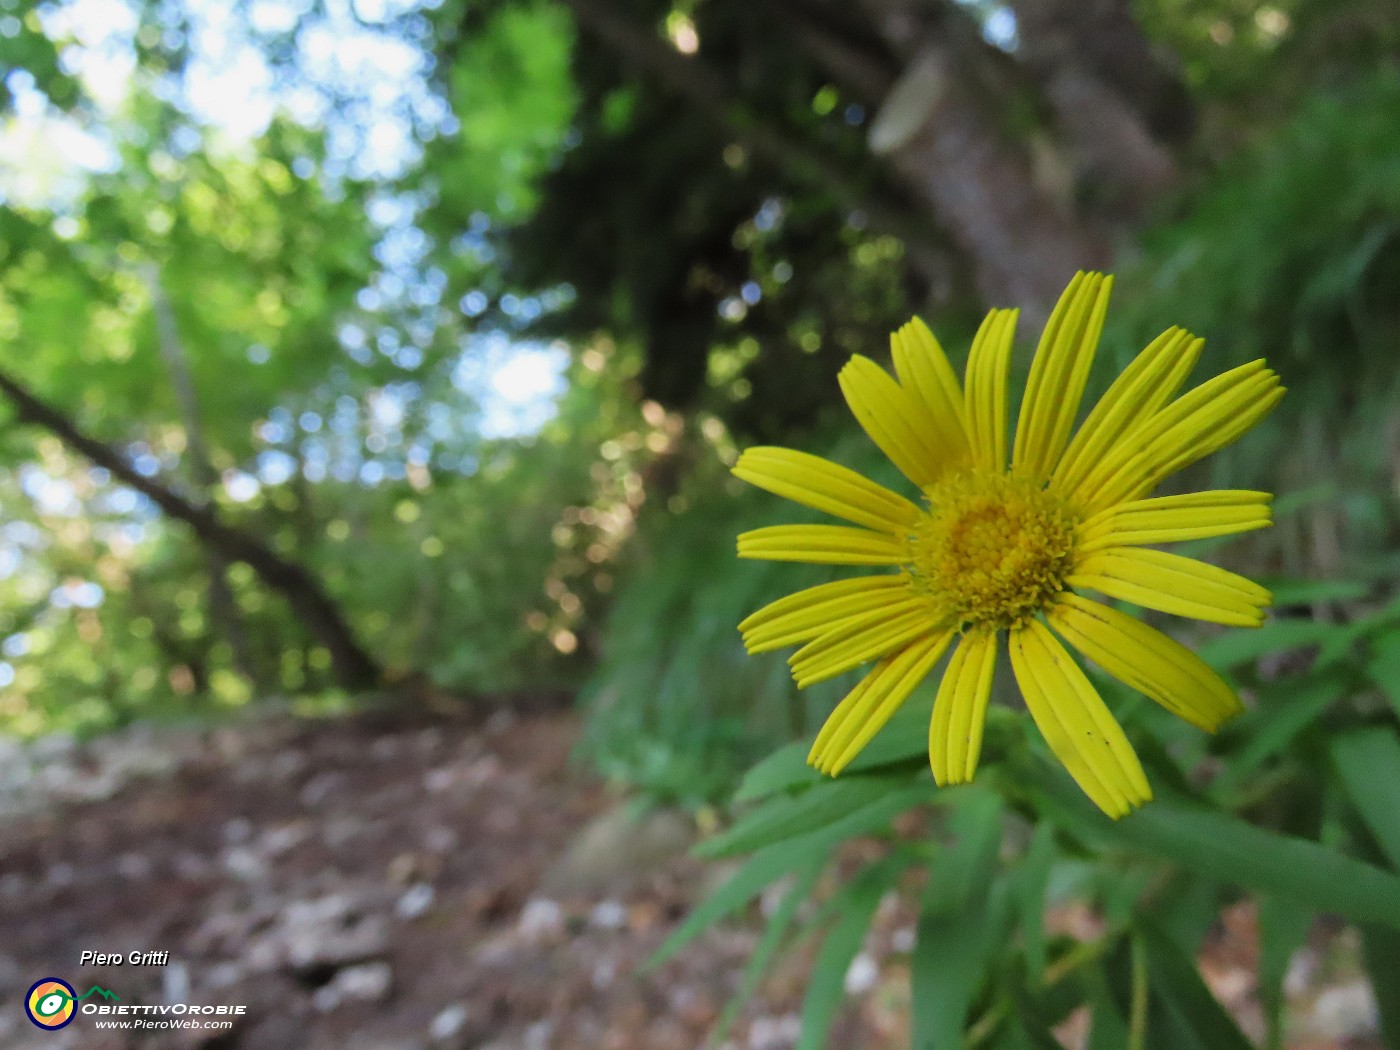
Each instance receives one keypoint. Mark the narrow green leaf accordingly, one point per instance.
(903, 740)
(1380, 948)
(1304, 592)
(1039, 1009)
(1238, 647)
(1224, 848)
(779, 858)
(964, 911)
(760, 869)
(1179, 989)
(861, 800)
(1032, 881)
(826, 985)
(1229, 850)
(766, 948)
(1283, 713)
(1022, 1033)
(1186, 910)
(1126, 976)
(1108, 1028)
(1384, 668)
(784, 769)
(1369, 764)
(1283, 927)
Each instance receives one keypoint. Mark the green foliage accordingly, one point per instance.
(684, 711)
(1275, 823)
(1292, 252)
(511, 89)
(29, 48)
(1246, 61)
(335, 384)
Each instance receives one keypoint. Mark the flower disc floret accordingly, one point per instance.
(993, 550)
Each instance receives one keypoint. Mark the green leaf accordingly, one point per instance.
(1217, 846)
(784, 769)
(1380, 948)
(1369, 764)
(822, 805)
(1179, 989)
(825, 987)
(1186, 910)
(1239, 647)
(1032, 881)
(743, 885)
(1229, 850)
(904, 739)
(1108, 1028)
(963, 915)
(1305, 592)
(1038, 1010)
(784, 855)
(766, 948)
(1022, 1033)
(1284, 712)
(1283, 926)
(1384, 668)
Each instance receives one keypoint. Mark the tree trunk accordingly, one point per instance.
(352, 666)
(941, 129)
(1119, 107)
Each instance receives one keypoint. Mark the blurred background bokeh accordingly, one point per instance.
(388, 356)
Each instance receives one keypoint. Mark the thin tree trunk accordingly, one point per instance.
(352, 666)
(223, 608)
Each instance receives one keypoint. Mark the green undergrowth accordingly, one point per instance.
(1295, 804)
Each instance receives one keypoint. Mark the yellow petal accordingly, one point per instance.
(960, 711)
(988, 366)
(895, 421)
(823, 545)
(872, 703)
(1146, 659)
(806, 613)
(1191, 427)
(1173, 584)
(852, 706)
(923, 370)
(861, 638)
(822, 485)
(1058, 374)
(1172, 519)
(1148, 383)
(1075, 722)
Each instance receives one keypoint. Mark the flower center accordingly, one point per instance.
(992, 549)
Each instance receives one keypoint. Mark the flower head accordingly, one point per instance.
(1008, 539)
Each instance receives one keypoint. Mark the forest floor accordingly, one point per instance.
(393, 882)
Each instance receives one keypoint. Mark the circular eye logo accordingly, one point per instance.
(50, 1003)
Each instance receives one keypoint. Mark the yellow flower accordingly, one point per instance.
(998, 546)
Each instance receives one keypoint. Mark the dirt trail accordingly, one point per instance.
(394, 883)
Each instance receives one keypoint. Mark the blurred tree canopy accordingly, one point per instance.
(265, 273)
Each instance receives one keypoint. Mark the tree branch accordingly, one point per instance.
(351, 665)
